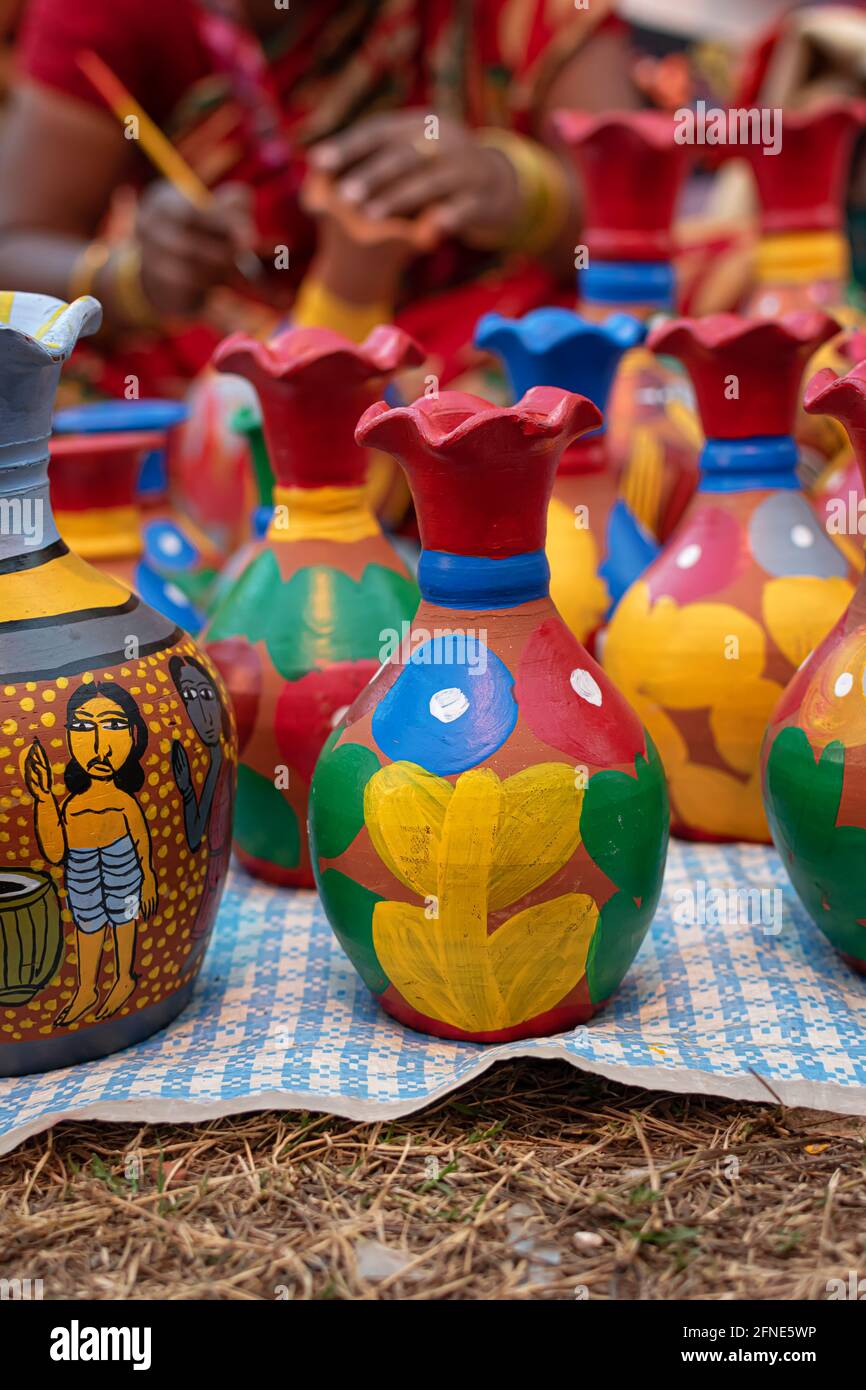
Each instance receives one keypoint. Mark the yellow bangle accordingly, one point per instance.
(86, 268)
(126, 288)
(316, 307)
(542, 185)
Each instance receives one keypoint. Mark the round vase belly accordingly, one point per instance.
(106, 909)
(117, 767)
(814, 752)
(489, 822)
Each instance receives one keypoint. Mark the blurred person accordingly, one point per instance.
(249, 92)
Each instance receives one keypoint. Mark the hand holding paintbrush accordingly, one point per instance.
(192, 238)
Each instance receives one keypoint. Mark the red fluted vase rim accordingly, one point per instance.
(442, 424)
(801, 328)
(656, 128)
(843, 397)
(296, 351)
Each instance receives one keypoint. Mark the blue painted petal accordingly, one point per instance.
(166, 546)
(167, 598)
(449, 709)
(630, 548)
(556, 347)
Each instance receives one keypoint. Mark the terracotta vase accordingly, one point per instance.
(211, 461)
(117, 757)
(706, 640)
(489, 822)
(179, 562)
(814, 752)
(802, 259)
(835, 487)
(595, 547)
(98, 515)
(632, 171)
(301, 630)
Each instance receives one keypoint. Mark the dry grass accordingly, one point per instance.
(534, 1181)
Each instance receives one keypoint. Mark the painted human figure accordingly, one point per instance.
(98, 832)
(211, 812)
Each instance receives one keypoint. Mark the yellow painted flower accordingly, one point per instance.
(469, 849)
(799, 610)
(700, 656)
(576, 587)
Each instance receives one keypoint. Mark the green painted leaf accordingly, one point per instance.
(245, 609)
(318, 616)
(265, 825)
(349, 909)
(337, 796)
(622, 926)
(826, 861)
(624, 824)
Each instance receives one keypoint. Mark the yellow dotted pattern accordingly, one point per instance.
(164, 944)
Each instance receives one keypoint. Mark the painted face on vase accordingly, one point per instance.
(199, 695)
(105, 735)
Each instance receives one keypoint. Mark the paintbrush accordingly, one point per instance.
(158, 148)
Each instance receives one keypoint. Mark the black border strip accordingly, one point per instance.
(32, 559)
(79, 615)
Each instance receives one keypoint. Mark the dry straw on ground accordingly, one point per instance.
(533, 1182)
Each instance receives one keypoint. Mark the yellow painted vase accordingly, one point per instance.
(705, 641)
(117, 759)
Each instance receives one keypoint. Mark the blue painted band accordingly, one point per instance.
(476, 581)
(628, 282)
(101, 417)
(740, 465)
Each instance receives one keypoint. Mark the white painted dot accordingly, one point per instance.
(170, 544)
(337, 716)
(802, 536)
(688, 556)
(584, 685)
(448, 705)
(177, 596)
(843, 684)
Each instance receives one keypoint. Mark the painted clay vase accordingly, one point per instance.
(177, 557)
(706, 640)
(802, 260)
(302, 629)
(815, 748)
(632, 171)
(210, 461)
(595, 547)
(96, 508)
(489, 822)
(837, 491)
(117, 759)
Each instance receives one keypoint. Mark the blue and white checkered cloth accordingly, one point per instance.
(729, 996)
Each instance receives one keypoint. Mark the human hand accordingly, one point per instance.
(186, 250)
(398, 165)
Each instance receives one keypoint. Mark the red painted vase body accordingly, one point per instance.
(301, 629)
(814, 755)
(488, 822)
(706, 640)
